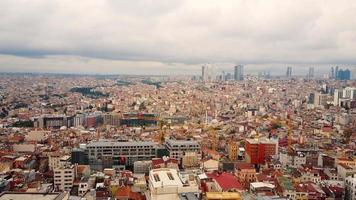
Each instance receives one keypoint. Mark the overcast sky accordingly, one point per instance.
(175, 36)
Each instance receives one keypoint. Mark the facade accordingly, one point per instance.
(257, 150)
(112, 119)
(139, 119)
(79, 156)
(232, 149)
(210, 165)
(349, 93)
(142, 167)
(208, 73)
(292, 160)
(239, 73)
(343, 74)
(345, 97)
(344, 171)
(245, 173)
(190, 160)
(337, 96)
(53, 121)
(79, 120)
(262, 188)
(178, 148)
(320, 99)
(53, 161)
(106, 154)
(64, 178)
(350, 188)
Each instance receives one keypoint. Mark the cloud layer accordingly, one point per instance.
(174, 36)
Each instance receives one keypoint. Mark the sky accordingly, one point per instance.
(176, 36)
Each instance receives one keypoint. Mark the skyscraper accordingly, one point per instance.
(332, 73)
(203, 73)
(336, 72)
(311, 73)
(239, 73)
(208, 73)
(343, 74)
(289, 72)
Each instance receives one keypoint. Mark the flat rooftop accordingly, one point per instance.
(37, 196)
(223, 195)
(115, 143)
(165, 177)
(181, 142)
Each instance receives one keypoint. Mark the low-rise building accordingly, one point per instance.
(344, 171)
(178, 148)
(245, 173)
(167, 183)
(64, 178)
(350, 187)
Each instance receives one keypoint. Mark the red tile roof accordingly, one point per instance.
(157, 162)
(244, 166)
(226, 180)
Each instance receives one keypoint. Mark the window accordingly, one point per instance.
(156, 177)
(170, 176)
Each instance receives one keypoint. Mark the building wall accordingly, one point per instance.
(64, 178)
(256, 153)
(121, 153)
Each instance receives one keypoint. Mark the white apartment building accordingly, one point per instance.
(167, 183)
(64, 178)
(350, 187)
(53, 161)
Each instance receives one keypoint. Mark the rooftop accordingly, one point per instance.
(165, 177)
(37, 196)
(115, 143)
(223, 195)
(226, 180)
(262, 184)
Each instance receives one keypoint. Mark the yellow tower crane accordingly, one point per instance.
(212, 135)
(289, 125)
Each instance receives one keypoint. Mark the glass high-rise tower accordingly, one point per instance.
(239, 73)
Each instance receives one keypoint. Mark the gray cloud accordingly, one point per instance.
(174, 35)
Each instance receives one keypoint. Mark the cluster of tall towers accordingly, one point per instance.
(340, 74)
(310, 74)
(209, 73)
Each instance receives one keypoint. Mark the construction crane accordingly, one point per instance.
(289, 125)
(161, 132)
(212, 135)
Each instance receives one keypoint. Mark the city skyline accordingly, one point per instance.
(178, 100)
(176, 37)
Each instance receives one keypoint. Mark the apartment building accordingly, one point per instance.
(178, 148)
(167, 183)
(108, 153)
(64, 177)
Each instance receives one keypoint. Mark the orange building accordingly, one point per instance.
(245, 173)
(257, 150)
